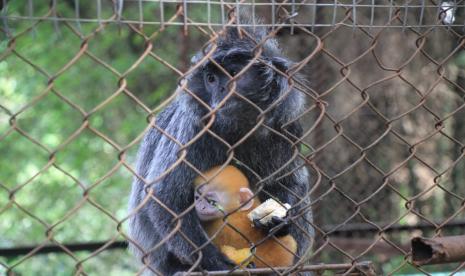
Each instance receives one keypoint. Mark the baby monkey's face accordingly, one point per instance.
(210, 203)
(214, 202)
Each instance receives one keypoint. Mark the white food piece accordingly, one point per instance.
(268, 209)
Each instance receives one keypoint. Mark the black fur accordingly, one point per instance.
(263, 151)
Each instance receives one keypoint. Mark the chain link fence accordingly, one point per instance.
(82, 82)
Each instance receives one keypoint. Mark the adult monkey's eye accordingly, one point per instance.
(211, 78)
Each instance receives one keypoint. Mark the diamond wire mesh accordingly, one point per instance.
(383, 129)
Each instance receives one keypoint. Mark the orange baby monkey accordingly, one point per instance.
(224, 194)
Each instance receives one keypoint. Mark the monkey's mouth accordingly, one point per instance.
(224, 112)
(209, 213)
(236, 109)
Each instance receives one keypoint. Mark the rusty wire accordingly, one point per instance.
(359, 140)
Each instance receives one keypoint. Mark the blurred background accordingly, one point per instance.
(78, 80)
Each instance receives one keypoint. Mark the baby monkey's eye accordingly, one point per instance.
(212, 202)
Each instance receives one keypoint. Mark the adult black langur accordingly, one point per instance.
(267, 150)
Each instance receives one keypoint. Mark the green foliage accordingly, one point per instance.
(58, 171)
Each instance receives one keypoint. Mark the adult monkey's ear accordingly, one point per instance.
(246, 197)
(196, 58)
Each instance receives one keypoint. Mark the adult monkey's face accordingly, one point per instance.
(239, 78)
